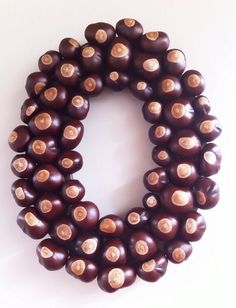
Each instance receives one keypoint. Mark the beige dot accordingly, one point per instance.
(46, 252)
(43, 121)
(89, 246)
(153, 178)
(154, 107)
(67, 163)
(112, 254)
(129, 22)
(67, 70)
(178, 110)
(46, 59)
(193, 80)
(116, 278)
(88, 52)
(13, 136)
(152, 36)
(77, 101)
(201, 198)
(210, 157)
(151, 201)
(119, 50)
(133, 218)
(151, 65)
(64, 232)
(165, 225)
(101, 36)
(79, 213)
(29, 110)
(72, 192)
(20, 164)
(38, 87)
(178, 254)
(107, 225)
(45, 206)
(167, 85)
(160, 131)
(50, 94)
(149, 266)
(141, 85)
(180, 198)
(42, 175)
(90, 84)
(186, 142)
(162, 155)
(141, 247)
(70, 132)
(175, 56)
(39, 147)
(31, 219)
(203, 101)
(184, 171)
(207, 126)
(78, 267)
(20, 194)
(190, 225)
(74, 43)
(114, 76)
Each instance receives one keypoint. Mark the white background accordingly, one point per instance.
(116, 149)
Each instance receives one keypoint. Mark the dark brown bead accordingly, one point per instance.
(177, 199)
(19, 138)
(35, 83)
(193, 227)
(50, 206)
(155, 179)
(114, 253)
(201, 105)
(69, 48)
(32, 224)
(23, 166)
(210, 159)
(111, 225)
(119, 54)
(151, 201)
(161, 155)
(28, 109)
(72, 191)
(46, 122)
(152, 111)
(55, 97)
(141, 89)
(64, 231)
(129, 28)
(160, 133)
(78, 106)
(117, 80)
(85, 215)
(43, 149)
(154, 42)
(51, 255)
(178, 251)
(168, 87)
(23, 192)
(206, 193)
(48, 62)
(174, 62)
(100, 33)
(69, 162)
(68, 72)
(87, 245)
(153, 269)
(208, 127)
(147, 66)
(72, 133)
(165, 226)
(193, 83)
(91, 58)
(83, 269)
(137, 218)
(91, 85)
(183, 172)
(114, 278)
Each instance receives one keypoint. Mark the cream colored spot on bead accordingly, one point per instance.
(201, 198)
(178, 255)
(46, 252)
(72, 192)
(88, 52)
(39, 147)
(50, 94)
(42, 175)
(153, 178)
(210, 157)
(31, 219)
(180, 198)
(112, 254)
(165, 225)
(207, 126)
(154, 107)
(193, 80)
(133, 218)
(46, 59)
(186, 142)
(20, 164)
(107, 225)
(78, 267)
(45, 206)
(101, 36)
(167, 85)
(29, 110)
(175, 56)
(67, 163)
(152, 36)
(178, 110)
(20, 194)
(141, 247)
(79, 213)
(203, 101)
(149, 266)
(90, 84)
(129, 22)
(89, 246)
(151, 65)
(13, 136)
(114, 76)
(162, 155)
(184, 171)
(116, 278)
(38, 87)
(119, 50)
(151, 201)
(190, 225)
(70, 132)
(160, 131)
(67, 70)
(64, 232)
(77, 101)
(74, 43)
(141, 85)
(43, 121)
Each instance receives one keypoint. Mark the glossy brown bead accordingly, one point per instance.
(141, 89)
(72, 191)
(28, 109)
(114, 278)
(147, 66)
(151, 201)
(78, 106)
(185, 143)
(168, 87)
(19, 138)
(155, 179)
(35, 83)
(193, 83)
(91, 85)
(43, 149)
(85, 215)
(183, 172)
(208, 127)
(69, 162)
(206, 193)
(64, 231)
(48, 62)
(119, 54)
(47, 178)
(177, 199)
(72, 133)
(152, 111)
(91, 58)
(129, 28)
(87, 245)
(23, 166)
(23, 192)
(154, 42)
(50, 206)
(55, 97)
(46, 122)
(201, 105)
(193, 227)
(114, 253)
(174, 62)
(137, 218)
(32, 224)
(178, 251)
(68, 72)
(51, 255)
(161, 155)
(84, 269)
(153, 269)
(100, 33)
(111, 225)
(142, 245)
(69, 48)
(117, 80)
(165, 226)
(159, 133)
(210, 159)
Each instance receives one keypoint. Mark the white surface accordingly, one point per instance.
(116, 150)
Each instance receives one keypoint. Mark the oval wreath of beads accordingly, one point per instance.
(110, 248)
